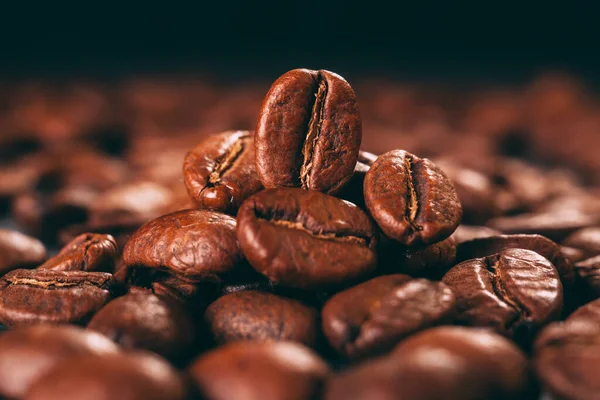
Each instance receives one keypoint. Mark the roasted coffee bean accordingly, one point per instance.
(589, 311)
(411, 199)
(543, 246)
(19, 251)
(353, 190)
(124, 376)
(554, 225)
(220, 172)
(194, 245)
(43, 296)
(306, 239)
(567, 359)
(279, 371)
(253, 315)
(27, 354)
(372, 317)
(431, 261)
(147, 322)
(87, 252)
(572, 254)
(587, 239)
(515, 292)
(465, 233)
(308, 132)
(450, 363)
(588, 276)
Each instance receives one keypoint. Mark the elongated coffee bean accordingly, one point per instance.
(515, 292)
(306, 239)
(44, 296)
(87, 252)
(220, 171)
(308, 132)
(411, 199)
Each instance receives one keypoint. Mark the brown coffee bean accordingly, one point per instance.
(589, 311)
(279, 371)
(572, 254)
(587, 239)
(19, 251)
(124, 376)
(515, 292)
(431, 261)
(370, 318)
(43, 296)
(411, 199)
(194, 245)
(147, 322)
(308, 132)
(465, 233)
(306, 239)
(588, 276)
(545, 247)
(567, 359)
(220, 172)
(87, 252)
(252, 315)
(450, 363)
(26, 354)
(555, 225)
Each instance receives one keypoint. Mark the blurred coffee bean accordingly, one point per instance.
(20, 251)
(587, 240)
(465, 233)
(87, 252)
(280, 371)
(28, 353)
(254, 315)
(588, 276)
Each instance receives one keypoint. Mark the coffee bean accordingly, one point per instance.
(44, 296)
(588, 276)
(572, 254)
(306, 239)
(87, 252)
(411, 199)
(147, 322)
(587, 239)
(431, 261)
(26, 354)
(451, 363)
(19, 251)
(195, 245)
(465, 233)
(308, 132)
(554, 225)
(125, 376)
(545, 247)
(372, 317)
(259, 370)
(220, 172)
(252, 315)
(515, 292)
(589, 311)
(566, 359)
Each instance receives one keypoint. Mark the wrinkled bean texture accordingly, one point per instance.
(306, 239)
(411, 199)
(44, 296)
(192, 244)
(514, 292)
(372, 317)
(309, 132)
(87, 252)
(220, 172)
(254, 315)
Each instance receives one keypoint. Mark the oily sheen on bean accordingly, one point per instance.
(306, 239)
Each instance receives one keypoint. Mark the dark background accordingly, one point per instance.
(494, 41)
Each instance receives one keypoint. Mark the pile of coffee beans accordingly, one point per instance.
(288, 262)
